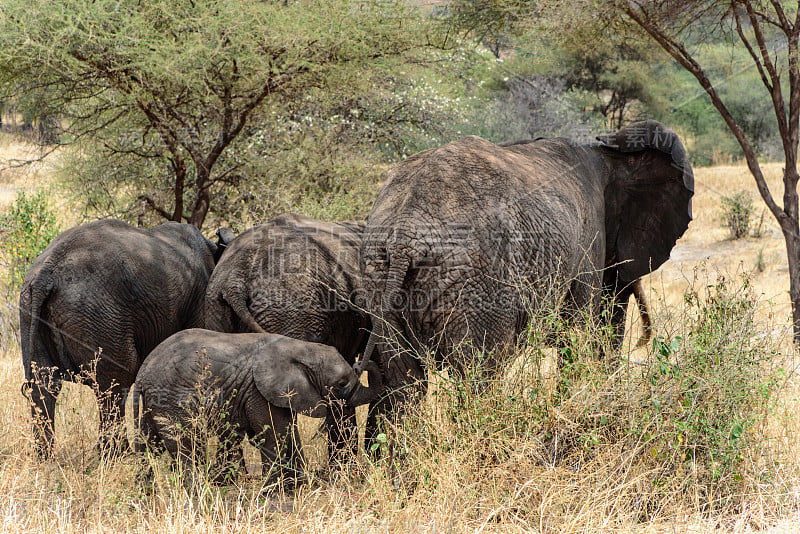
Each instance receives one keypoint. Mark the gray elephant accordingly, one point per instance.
(461, 237)
(97, 301)
(245, 385)
(297, 277)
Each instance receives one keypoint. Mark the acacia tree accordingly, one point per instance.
(617, 76)
(176, 81)
(769, 30)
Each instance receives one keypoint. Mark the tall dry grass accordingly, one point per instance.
(591, 445)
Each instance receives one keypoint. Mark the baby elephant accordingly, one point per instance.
(200, 384)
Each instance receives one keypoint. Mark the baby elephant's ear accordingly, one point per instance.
(286, 383)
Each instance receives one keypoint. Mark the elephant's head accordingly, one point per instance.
(304, 378)
(648, 199)
(225, 237)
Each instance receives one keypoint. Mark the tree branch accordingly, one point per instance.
(687, 61)
(775, 89)
(150, 203)
(785, 25)
(748, 46)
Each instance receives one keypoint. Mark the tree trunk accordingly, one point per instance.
(793, 254)
(47, 130)
(791, 235)
(201, 203)
(179, 167)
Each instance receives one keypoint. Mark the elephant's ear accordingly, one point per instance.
(649, 205)
(286, 382)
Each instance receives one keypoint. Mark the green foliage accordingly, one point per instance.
(614, 75)
(736, 213)
(311, 170)
(28, 227)
(688, 107)
(692, 414)
(381, 444)
(712, 389)
(166, 88)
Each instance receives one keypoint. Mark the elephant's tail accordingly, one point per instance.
(387, 327)
(237, 302)
(31, 302)
(137, 424)
(144, 430)
(644, 313)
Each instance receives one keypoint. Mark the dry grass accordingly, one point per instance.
(707, 243)
(470, 463)
(17, 177)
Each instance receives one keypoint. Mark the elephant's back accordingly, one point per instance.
(101, 249)
(286, 270)
(320, 245)
(468, 173)
(485, 200)
(196, 354)
(120, 288)
(295, 238)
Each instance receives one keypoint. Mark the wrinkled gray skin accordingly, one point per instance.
(259, 381)
(455, 229)
(297, 277)
(109, 292)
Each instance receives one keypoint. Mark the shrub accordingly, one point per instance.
(26, 228)
(737, 210)
(713, 387)
(29, 226)
(687, 426)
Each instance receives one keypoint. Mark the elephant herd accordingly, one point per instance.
(463, 243)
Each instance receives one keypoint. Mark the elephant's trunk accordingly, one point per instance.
(644, 313)
(375, 334)
(366, 395)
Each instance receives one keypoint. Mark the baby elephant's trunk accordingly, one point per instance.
(360, 394)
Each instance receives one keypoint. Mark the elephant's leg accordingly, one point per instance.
(619, 314)
(279, 444)
(293, 462)
(112, 439)
(188, 448)
(405, 380)
(377, 413)
(229, 458)
(342, 433)
(43, 394)
(146, 438)
(186, 458)
(582, 309)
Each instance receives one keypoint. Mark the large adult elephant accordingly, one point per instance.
(297, 277)
(462, 236)
(97, 301)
